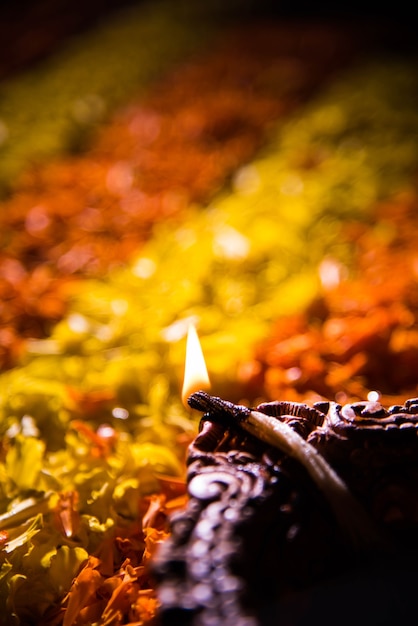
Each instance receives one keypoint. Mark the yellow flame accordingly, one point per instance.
(195, 372)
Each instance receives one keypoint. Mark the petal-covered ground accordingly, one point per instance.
(167, 149)
(263, 187)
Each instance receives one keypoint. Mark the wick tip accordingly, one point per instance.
(200, 400)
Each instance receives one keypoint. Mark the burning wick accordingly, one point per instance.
(348, 511)
(195, 372)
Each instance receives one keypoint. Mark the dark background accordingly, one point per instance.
(32, 29)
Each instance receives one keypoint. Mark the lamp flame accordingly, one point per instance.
(196, 376)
